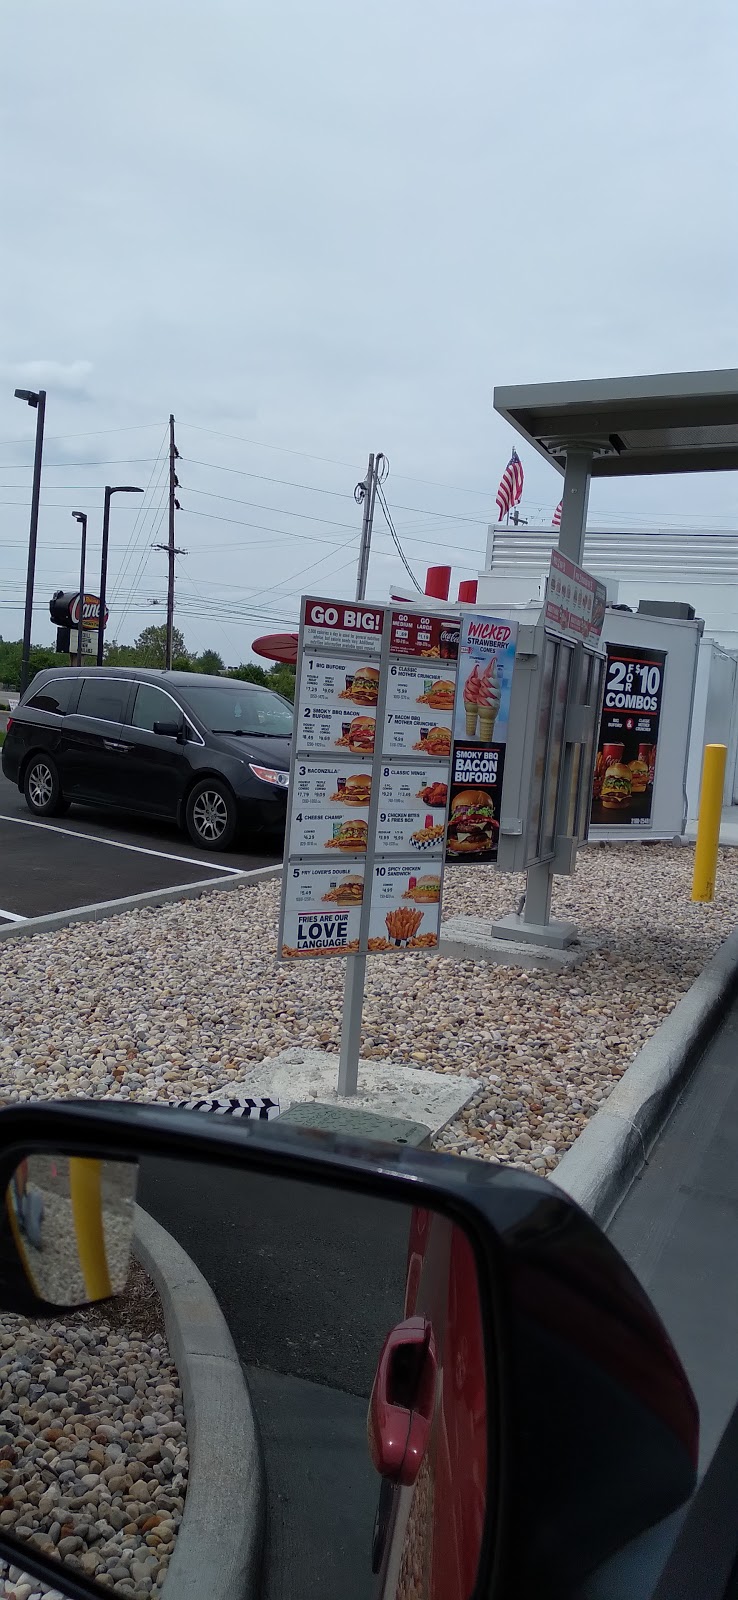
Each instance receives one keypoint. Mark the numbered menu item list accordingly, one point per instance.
(418, 711)
(322, 909)
(337, 702)
(329, 807)
(413, 802)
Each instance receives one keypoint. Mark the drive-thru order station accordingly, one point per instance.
(430, 736)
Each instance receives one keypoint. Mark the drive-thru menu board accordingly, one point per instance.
(369, 781)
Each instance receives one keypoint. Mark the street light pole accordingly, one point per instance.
(81, 518)
(38, 402)
(110, 490)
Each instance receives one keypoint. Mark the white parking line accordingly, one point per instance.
(11, 916)
(117, 844)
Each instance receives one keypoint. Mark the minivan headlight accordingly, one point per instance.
(270, 775)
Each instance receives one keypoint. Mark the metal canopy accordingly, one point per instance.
(670, 422)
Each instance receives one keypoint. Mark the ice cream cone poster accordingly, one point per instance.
(486, 659)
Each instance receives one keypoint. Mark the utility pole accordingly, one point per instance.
(170, 546)
(173, 453)
(365, 495)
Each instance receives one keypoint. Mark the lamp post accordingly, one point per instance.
(118, 488)
(81, 518)
(38, 402)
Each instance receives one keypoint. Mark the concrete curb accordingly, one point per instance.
(604, 1161)
(133, 902)
(218, 1548)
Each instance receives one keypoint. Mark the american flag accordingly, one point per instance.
(510, 491)
(556, 518)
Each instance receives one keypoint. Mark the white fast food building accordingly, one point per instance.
(694, 575)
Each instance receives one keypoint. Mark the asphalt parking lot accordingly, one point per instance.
(89, 857)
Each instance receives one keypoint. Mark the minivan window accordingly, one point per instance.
(102, 699)
(152, 705)
(54, 696)
(242, 709)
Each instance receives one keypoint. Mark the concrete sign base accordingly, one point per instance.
(384, 1087)
(473, 939)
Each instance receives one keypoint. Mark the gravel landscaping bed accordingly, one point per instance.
(175, 1001)
(93, 1456)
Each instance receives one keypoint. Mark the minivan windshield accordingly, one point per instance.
(242, 708)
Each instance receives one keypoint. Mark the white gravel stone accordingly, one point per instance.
(54, 1486)
(192, 995)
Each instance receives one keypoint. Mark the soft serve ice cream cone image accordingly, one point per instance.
(471, 710)
(488, 700)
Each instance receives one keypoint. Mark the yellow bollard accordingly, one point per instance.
(708, 822)
(86, 1191)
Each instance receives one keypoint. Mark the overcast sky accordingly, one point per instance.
(315, 230)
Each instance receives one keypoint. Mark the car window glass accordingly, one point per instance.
(99, 697)
(54, 696)
(243, 709)
(152, 705)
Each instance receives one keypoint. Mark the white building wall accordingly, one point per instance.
(664, 564)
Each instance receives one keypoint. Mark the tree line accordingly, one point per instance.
(149, 650)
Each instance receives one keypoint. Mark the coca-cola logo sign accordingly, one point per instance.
(90, 612)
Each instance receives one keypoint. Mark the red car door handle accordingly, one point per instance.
(402, 1400)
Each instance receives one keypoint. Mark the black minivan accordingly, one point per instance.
(210, 753)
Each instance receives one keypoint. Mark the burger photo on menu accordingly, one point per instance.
(349, 892)
(617, 787)
(355, 790)
(436, 742)
(362, 687)
(440, 696)
(472, 829)
(359, 736)
(351, 835)
(424, 891)
(434, 795)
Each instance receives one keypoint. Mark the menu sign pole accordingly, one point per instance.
(355, 980)
(369, 785)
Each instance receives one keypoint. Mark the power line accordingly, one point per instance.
(117, 461)
(258, 505)
(95, 433)
(396, 542)
(238, 522)
(311, 488)
(142, 509)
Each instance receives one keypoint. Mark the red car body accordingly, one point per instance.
(430, 1533)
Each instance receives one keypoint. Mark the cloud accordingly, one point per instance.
(71, 377)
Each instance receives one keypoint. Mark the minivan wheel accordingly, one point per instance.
(210, 815)
(42, 788)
